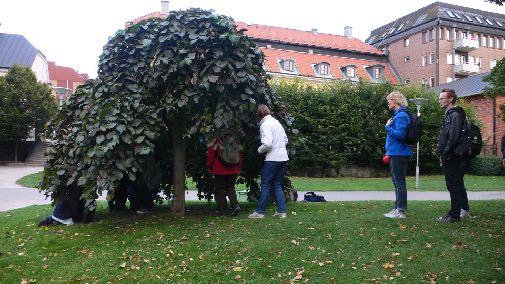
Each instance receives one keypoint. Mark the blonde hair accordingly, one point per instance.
(398, 98)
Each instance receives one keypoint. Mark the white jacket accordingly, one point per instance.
(273, 140)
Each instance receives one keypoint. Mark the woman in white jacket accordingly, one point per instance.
(273, 143)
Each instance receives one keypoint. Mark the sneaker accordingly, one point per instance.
(464, 214)
(142, 211)
(256, 215)
(395, 214)
(281, 215)
(235, 211)
(446, 219)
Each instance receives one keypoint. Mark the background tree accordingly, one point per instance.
(164, 87)
(497, 2)
(497, 80)
(24, 104)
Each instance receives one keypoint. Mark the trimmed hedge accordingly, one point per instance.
(342, 123)
(487, 166)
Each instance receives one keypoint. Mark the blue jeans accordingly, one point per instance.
(271, 177)
(398, 166)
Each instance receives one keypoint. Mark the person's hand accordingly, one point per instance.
(389, 122)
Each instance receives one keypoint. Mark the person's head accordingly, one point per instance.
(396, 100)
(447, 98)
(262, 111)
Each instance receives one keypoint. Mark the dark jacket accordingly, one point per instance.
(450, 141)
(397, 133)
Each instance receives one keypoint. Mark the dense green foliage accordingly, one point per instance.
(497, 80)
(332, 242)
(343, 123)
(24, 104)
(487, 166)
(192, 70)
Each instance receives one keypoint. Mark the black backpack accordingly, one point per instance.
(471, 133)
(312, 197)
(414, 131)
(471, 137)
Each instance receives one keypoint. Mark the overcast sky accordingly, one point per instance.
(72, 33)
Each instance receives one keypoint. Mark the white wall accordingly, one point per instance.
(40, 68)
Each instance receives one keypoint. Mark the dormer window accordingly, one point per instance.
(376, 72)
(349, 71)
(322, 69)
(288, 66)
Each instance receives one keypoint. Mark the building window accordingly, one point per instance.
(351, 72)
(425, 37)
(447, 34)
(406, 59)
(378, 73)
(432, 34)
(449, 58)
(423, 60)
(322, 69)
(406, 42)
(432, 58)
(493, 63)
(484, 41)
(489, 22)
(288, 65)
(449, 79)
(432, 82)
(478, 61)
(491, 42)
(479, 20)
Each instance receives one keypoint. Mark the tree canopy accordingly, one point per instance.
(186, 76)
(24, 104)
(497, 80)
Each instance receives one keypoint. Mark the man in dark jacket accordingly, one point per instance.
(452, 150)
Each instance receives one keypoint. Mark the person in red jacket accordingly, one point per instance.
(224, 161)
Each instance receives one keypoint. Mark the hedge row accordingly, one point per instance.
(342, 124)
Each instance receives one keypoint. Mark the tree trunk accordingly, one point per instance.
(179, 148)
(16, 146)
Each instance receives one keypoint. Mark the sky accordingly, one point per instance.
(72, 33)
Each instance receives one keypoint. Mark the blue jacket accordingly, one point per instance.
(396, 134)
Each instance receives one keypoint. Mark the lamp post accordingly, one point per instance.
(418, 102)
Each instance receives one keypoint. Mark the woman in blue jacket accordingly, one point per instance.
(398, 151)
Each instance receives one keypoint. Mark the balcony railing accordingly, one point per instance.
(466, 69)
(466, 44)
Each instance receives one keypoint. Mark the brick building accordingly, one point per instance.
(310, 55)
(441, 43)
(64, 81)
(488, 109)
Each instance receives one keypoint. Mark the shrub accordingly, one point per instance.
(487, 166)
(342, 123)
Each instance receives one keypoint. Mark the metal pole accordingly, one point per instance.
(417, 150)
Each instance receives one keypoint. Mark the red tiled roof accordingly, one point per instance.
(61, 73)
(304, 63)
(145, 17)
(298, 37)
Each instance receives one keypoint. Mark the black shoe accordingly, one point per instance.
(235, 211)
(447, 219)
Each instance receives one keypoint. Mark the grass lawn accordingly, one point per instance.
(318, 243)
(436, 183)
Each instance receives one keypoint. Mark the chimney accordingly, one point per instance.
(164, 7)
(348, 32)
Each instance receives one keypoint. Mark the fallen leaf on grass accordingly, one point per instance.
(122, 265)
(388, 265)
(237, 268)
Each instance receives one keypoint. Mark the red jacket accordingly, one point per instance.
(216, 167)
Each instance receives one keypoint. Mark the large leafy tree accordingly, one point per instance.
(164, 88)
(497, 80)
(497, 2)
(24, 104)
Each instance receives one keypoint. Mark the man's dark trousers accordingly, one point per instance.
(454, 170)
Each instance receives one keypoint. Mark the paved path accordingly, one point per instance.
(15, 196)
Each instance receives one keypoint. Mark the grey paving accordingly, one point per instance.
(15, 196)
